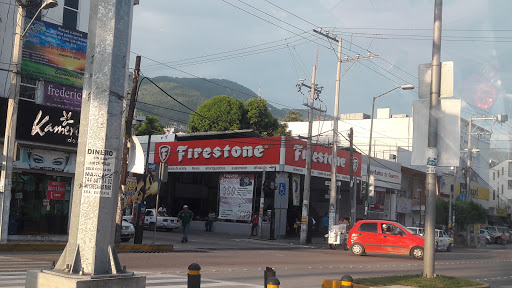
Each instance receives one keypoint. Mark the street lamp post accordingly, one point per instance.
(403, 87)
(11, 117)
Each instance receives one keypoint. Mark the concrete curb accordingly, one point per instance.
(363, 286)
(53, 247)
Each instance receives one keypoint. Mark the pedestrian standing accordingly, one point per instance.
(254, 221)
(185, 217)
(209, 222)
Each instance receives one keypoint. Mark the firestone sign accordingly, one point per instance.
(253, 154)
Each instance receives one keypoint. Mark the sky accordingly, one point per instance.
(268, 46)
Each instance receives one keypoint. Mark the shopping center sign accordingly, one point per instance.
(253, 154)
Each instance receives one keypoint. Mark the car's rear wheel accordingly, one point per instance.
(499, 240)
(357, 249)
(417, 252)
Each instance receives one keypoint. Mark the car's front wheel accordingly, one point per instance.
(357, 249)
(417, 252)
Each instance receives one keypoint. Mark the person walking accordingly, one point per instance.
(209, 222)
(185, 216)
(254, 221)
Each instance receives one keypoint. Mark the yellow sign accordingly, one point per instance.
(304, 220)
(477, 228)
(475, 192)
(501, 212)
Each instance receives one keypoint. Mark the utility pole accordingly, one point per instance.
(126, 150)
(262, 203)
(10, 128)
(432, 155)
(332, 198)
(352, 178)
(469, 159)
(450, 220)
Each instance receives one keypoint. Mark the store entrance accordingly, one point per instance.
(39, 204)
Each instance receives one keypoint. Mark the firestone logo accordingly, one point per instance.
(218, 152)
(300, 153)
(163, 152)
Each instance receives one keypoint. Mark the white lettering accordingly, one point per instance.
(258, 151)
(181, 152)
(207, 152)
(236, 151)
(217, 152)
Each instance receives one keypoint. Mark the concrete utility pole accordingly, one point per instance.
(90, 258)
(307, 179)
(450, 211)
(262, 203)
(353, 182)
(469, 159)
(10, 128)
(126, 150)
(434, 115)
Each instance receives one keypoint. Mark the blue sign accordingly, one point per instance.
(282, 189)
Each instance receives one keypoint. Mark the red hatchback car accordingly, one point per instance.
(380, 236)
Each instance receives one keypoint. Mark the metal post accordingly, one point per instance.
(352, 178)
(10, 128)
(450, 220)
(470, 157)
(432, 155)
(267, 274)
(262, 203)
(368, 167)
(194, 276)
(334, 162)
(273, 283)
(160, 168)
(307, 179)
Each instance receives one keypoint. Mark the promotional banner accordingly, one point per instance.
(56, 190)
(49, 125)
(62, 96)
(296, 189)
(476, 192)
(236, 192)
(54, 53)
(49, 160)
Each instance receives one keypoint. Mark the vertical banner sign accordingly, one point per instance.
(296, 189)
(99, 172)
(236, 192)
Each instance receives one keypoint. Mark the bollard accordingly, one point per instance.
(267, 274)
(273, 282)
(194, 276)
(346, 281)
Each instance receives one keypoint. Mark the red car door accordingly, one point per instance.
(367, 234)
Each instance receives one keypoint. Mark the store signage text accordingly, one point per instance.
(226, 152)
(61, 128)
(318, 157)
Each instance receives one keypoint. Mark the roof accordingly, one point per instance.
(216, 135)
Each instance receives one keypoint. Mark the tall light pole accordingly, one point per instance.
(11, 117)
(403, 87)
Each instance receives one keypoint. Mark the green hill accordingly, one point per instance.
(192, 92)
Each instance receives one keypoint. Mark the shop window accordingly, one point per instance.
(70, 17)
(39, 204)
(28, 88)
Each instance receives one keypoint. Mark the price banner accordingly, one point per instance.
(236, 192)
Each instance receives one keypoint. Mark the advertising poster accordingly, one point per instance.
(48, 160)
(54, 53)
(56, 190)
(236, 192)
(62, 96)
(296, 189)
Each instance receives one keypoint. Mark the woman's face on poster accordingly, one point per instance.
(47, 160)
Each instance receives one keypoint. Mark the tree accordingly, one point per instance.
(150, 126)
(259, 118)
(220, 113)
(293, 116)
(442, 212)
(468, 212)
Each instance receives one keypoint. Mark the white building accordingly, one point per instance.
(500, 201)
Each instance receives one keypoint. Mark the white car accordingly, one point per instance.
(443, 241)
(127, 231)
(417, 230)
(164, 221)
(487, 235)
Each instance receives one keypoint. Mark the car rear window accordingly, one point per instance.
(368, 227)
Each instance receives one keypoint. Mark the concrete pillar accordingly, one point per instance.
(90, 253)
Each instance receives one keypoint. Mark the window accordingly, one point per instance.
(509, 169)
(31, 12)
(498, 174)
(493, 175)
(28, 88)
(502, 188)
(493, 194)
(509, 184)
(368, 227)
(70, 17)
(502, 170)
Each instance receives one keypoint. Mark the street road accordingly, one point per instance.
(237, 261)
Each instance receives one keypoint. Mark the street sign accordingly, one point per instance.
(425, 78)
(338, 183)
(282, 189)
